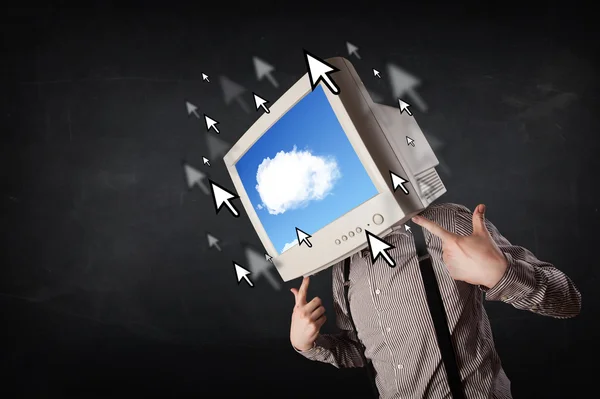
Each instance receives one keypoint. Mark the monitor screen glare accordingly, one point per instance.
(303, 172)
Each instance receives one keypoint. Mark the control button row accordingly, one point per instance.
(350, 233)
(377, 219)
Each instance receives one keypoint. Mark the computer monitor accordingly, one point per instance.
(323, 163)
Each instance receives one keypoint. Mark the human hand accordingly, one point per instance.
(307, 318)
(475, 259)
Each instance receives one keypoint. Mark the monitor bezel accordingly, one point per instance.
(285, 103)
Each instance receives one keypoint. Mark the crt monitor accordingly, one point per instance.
(322, 164)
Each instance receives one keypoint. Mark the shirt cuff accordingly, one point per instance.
(518, 281)
(314, 352)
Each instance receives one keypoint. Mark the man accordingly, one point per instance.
(390, 311)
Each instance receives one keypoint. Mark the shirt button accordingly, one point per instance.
(388, 329)
(504, 298)
(377, 292)
(400, 367)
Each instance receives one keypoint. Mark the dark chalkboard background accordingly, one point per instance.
(107, 284)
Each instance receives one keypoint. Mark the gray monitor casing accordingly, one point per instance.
(379, 135)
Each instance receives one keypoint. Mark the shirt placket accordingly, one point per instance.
(377, 296)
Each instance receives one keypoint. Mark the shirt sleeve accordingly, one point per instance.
(342, 350)
(528, 283)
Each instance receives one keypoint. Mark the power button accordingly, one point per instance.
(377, 219)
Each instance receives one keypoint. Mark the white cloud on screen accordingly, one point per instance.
(292, 179)
(289, 245)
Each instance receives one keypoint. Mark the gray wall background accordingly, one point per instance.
(107, 283)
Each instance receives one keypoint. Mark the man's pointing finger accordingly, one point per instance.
(433, 227)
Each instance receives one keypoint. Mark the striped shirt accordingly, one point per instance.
(390, 311)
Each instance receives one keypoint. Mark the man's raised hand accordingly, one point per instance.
(475, 259)
(307, 318)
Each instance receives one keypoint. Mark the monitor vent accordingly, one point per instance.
(430, 185)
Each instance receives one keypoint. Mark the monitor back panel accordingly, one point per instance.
(380, 131)
(413, 151)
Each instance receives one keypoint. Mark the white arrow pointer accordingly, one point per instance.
(205, 161)
(303, 237)
(318, 71)
(210, 123)
(205, 77)
(260, 102)
(397, 181)
(352, 49)
(195, 177)
(376, 73)
(223, 197)
(264, 69)
(213, 241)
(191, 109)
(404, 107)
(410, 141)
(242, 273)
(378, 247)
(406, 227)
(269, 258)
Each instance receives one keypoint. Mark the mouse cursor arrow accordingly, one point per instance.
(318, 71)
(195, 177)
(406, 227)
(213, 241)
(205, 77)
(191, 109)
(260, 102)
(233, 92)
(410, 141)
(352, 49)
(397, 181)
(260, 266)
(242, 273)
(378, 248)
(303, 237)
(205, 161)
(210, 123)
(217, 148)
(376, 73)
(403, 84)
(404, 107)
(264, 70)
(269, 258)
(223, 197)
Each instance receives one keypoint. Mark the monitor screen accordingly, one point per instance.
(303, 172)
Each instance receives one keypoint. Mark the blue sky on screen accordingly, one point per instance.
(303, 172)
